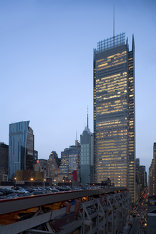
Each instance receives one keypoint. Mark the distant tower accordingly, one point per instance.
(53, 165)
(114, 112)
(70, 160)
(86, 156)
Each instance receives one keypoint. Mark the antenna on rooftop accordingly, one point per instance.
(87, 116)
(114, 24)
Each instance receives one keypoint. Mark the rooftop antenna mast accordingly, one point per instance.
(87, 116)
(114, 24)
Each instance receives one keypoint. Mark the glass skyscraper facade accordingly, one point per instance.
(114, 112)
(21, 147)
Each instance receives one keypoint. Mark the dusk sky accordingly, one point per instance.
(46, 67)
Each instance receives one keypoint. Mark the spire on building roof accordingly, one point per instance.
(87, 127)
(113, 21)
(133, 43)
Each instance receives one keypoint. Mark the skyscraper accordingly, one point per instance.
(30, 156)
(86, 156)
(53, 165)
(152, 173)
(114, 112)
(70, 160)
(141, 178)
(21, 147)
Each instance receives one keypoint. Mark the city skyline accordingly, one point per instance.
(35, 80)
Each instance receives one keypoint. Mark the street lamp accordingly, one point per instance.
(31, 180)
(54, 181)
(15, 181)
(44, 180)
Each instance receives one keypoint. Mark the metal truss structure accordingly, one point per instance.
(100, 211)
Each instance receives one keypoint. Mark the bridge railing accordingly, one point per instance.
(89, 211)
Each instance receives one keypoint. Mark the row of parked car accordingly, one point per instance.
(17, 191)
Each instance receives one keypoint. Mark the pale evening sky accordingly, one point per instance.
(46, 67)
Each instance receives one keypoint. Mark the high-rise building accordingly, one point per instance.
(141, 178)
(70, 161)
(30, 150)
(43, 167)
(86, 156)
(4, 152)
(114, 112)
(21, 147)
(152, 174)
(53, 165)
(54, 155)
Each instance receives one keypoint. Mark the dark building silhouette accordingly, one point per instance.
(4, 153)
(30, 149)
(53, 164)
(57, 159)
(141, 178)
(152, 174)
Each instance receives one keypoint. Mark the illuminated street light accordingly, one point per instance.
(44, 180)
(31, 179)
